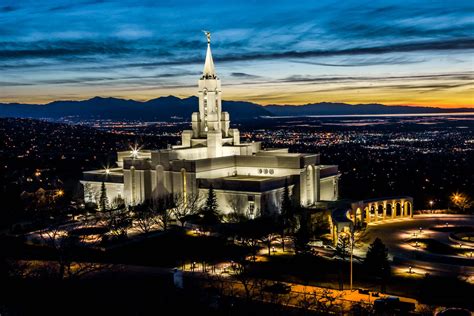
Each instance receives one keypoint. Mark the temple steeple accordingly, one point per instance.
(209, 72)
(210, 126)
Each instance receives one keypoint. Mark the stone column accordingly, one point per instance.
(376, 212)
(384, 210)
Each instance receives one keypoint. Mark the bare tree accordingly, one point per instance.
(144, 217)
(268, 239)
(58, 240)
(163, 208)
(242, 276)
(307, 301)
(327, 302)
(237, 203)
(89, 193)
(186, 206)
(118, 221)
(461, 201)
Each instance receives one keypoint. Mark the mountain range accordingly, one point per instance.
(166, 108)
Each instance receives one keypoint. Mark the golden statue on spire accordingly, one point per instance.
(208, 35)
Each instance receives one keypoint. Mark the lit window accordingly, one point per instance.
(251, 210)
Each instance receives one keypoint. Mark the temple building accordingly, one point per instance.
(246, 177)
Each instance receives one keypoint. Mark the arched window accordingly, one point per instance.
(184, 184)
(310, 184)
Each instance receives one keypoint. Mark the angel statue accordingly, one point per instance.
(208, 35)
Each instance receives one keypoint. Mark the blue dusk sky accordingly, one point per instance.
(285, 52)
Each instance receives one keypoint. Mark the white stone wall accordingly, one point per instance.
(137, 185)
(329, 190)
(92, 191)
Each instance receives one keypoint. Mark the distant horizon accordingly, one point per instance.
(240, 100)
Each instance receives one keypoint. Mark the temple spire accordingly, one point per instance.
(209, 71)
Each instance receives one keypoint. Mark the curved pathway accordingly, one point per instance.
(395, 235)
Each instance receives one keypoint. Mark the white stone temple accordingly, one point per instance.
(246, 178)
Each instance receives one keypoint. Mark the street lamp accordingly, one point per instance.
(352, 254)
(410, 270)
(431, 204)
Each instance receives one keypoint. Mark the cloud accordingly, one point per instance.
(243, 75)
(7, 9)
(372, 61)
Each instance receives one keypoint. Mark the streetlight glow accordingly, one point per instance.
(134, 151)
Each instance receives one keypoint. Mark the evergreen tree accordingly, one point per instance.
(302, 236)
(287, 214)
(343, 247)
(103, 201)
(210, 211)
(376, 261)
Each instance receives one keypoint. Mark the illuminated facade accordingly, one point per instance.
(246, 178)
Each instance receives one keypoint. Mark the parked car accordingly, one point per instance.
(329, 247)
(278, 288)
(392, 304)
(454, 312)
(315, 243)
(363, 291)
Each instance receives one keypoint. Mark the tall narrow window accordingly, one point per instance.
(183, 181)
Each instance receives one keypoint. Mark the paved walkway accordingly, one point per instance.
(395, 235)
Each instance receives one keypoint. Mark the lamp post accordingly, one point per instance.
(351, 257)
(431, 205)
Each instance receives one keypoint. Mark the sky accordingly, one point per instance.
(268, 52)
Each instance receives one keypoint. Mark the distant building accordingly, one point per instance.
(246, 178)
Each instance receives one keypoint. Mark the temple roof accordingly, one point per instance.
(209, 71)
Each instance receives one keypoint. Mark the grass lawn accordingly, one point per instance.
(173, 248)
(434, 246)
